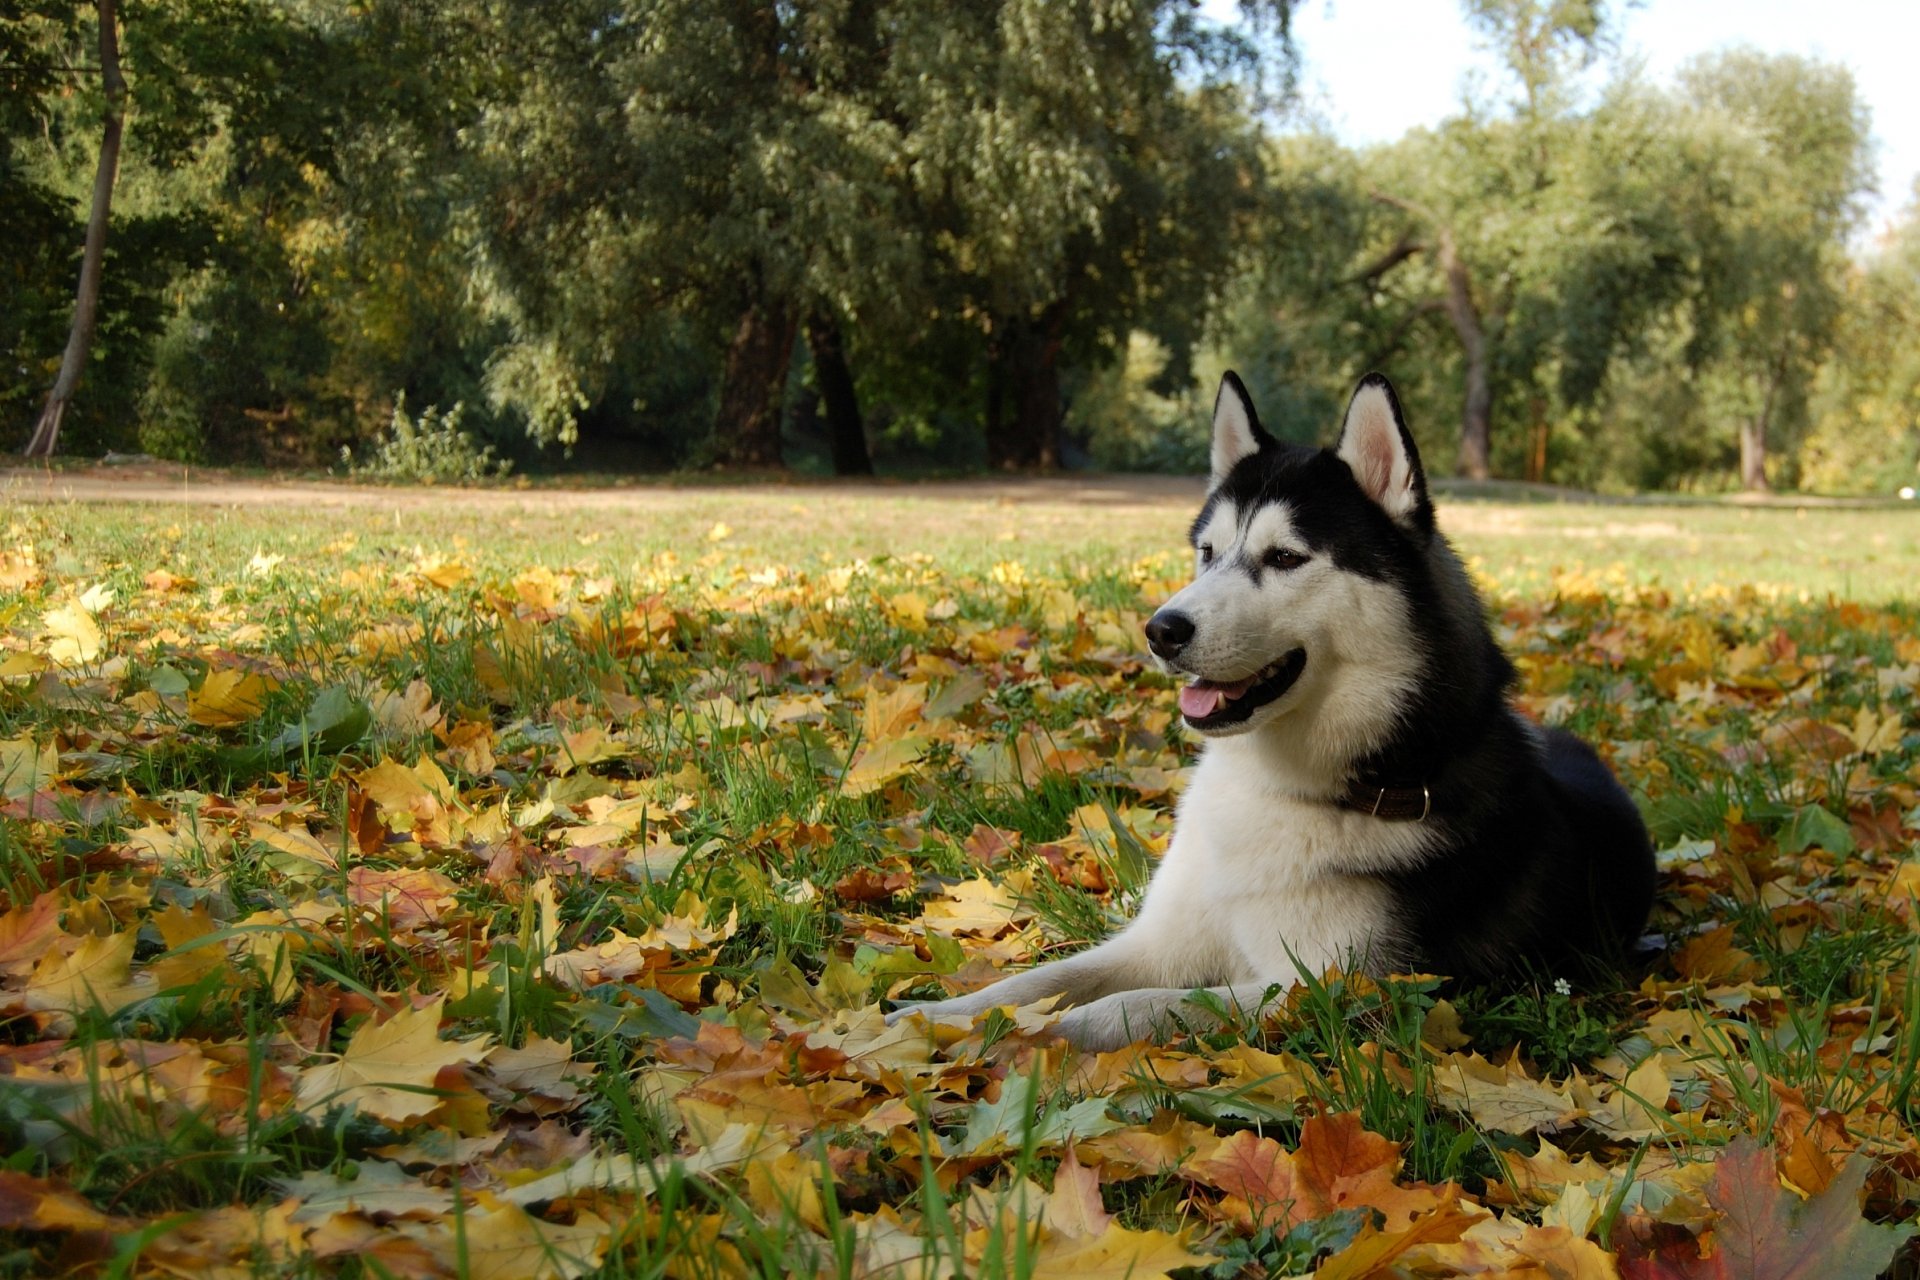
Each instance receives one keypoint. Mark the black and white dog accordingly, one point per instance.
(1366, 798)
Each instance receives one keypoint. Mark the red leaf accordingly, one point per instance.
(1765, 1232)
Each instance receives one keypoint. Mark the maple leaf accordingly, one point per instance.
(228, 697)
(27, 933)
(1374, 1251)
(38, 1204)
(388, 1068)
(1014, 1120)
(1338, 1165)
(974, 907)
(26, 768)
(1118, 1253)
(73, 637)
(881, 762)
(405, 897)
(1503, 1098)
(94, 977)
(1765, 1232)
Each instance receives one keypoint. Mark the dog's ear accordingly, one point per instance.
(1377, 448)
(1237, 432)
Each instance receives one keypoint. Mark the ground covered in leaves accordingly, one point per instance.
(440, 908)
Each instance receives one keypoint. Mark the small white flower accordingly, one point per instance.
(1564, 987)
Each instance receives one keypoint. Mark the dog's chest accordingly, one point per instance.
(1281, 879)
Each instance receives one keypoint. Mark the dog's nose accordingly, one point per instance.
(1168, 633)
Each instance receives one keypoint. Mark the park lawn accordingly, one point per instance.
(508, 885)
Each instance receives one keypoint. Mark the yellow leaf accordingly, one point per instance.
(1564, 1255)
(388, 1069)
(882, 762)
(409, 714)
(1074, 1206)
(786, 1188)
(445, 574)
(1638, 1107)
(507, 1243)
(297, 841)
(20, 664)
(1500, 1098)
(538, 588)
(73, 637)
(182, 968)
(1114, 1254)
(973, 906)
(95, 976)
(1873, 733)
(228, 697)
(890, 714)
(26, 768)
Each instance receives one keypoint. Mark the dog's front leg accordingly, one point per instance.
(1124, 1017)
(1099, 971)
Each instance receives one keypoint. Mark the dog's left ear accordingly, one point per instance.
(1377, 448)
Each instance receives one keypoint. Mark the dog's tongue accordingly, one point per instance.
(1203, 697)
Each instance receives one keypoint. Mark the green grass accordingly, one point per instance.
(724, 681)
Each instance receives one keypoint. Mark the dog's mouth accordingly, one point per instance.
(1211, 704)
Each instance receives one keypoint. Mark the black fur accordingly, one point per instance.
(1544, 859)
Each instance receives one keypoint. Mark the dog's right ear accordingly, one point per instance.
(1237, 432)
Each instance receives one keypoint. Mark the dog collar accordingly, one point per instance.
(1394, 804)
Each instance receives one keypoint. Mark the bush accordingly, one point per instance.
(430, 449)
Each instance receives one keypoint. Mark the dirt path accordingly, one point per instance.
(202, 487)
(211, 487)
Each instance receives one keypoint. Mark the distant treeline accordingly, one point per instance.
(885, 234)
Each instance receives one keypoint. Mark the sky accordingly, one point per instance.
(1372, 69)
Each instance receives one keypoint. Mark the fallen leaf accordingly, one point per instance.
(388, 1068)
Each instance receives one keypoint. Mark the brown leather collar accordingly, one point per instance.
(1392, 804)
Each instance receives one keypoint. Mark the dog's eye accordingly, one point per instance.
(1206, 553)
(1281, 558)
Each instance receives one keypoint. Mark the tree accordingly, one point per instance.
(113, 92)
(1445, 186)
(1865, 400)
(1030, 174)
(1772, 275)
(1074, 188)
(728, 162)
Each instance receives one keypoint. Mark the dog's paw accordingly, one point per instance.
(901, 1013)
(952, 1008)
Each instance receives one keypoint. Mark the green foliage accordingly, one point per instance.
(1040, 228)
(428, 449)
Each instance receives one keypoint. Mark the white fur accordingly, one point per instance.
(1239, 904)
(1265, 877)
(1372, 446)
(1361, 659)
(1233, 436)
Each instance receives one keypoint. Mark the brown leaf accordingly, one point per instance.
(38, 1204)
(1339, 1165)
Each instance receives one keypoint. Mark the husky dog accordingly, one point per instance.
(1366, 797)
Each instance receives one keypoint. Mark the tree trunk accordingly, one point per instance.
(1753, 453)
(1476, 414)
(1537, 455)
(748, 424)
(86, 305)
(845, 429)
(1023, 392)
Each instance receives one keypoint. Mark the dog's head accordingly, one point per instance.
(1301, 559)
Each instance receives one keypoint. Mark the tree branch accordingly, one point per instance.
(1369, 275)
(1398, 334)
